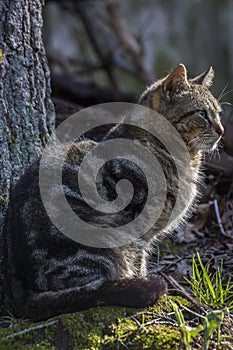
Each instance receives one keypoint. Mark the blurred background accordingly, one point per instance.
(124, 45)
(110, 50)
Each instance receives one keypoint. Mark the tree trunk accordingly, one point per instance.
(26, 111)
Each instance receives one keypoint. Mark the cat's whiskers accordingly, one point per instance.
(204, 156)
(194, 140)
(218, 154)
(220, 145)
(223, 93)
(202, 142)
(227, 93)
(195, 143)
(226, 103)
(212, 153)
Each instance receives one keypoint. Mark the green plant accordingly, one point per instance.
(189, 333)
(212, 322)
(208, 287)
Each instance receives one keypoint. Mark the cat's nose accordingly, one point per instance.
(219, 129)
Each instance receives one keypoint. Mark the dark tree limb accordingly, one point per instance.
(87, 94)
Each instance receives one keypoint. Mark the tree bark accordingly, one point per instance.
(26, 112)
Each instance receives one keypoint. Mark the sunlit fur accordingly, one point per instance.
(187, 98)
(47, 273)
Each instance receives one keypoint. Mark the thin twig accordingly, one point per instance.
(215, 202)
(33, 328)
(182, 291)
(167, 321)
(123, 344)
(192, 312)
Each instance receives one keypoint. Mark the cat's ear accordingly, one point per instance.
(205, 79)
(175, 81)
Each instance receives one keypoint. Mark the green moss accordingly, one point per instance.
(116, 328)
(43, 345)
(38, 339)
(157, 337)
(102, 328)
(87, 328)
(128, 333)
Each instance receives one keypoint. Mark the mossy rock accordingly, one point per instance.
(100, 328)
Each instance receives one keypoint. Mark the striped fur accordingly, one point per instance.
(46, 273)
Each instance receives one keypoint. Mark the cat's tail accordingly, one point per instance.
(128, 292)
(132, 292)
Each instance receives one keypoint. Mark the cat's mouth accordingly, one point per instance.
(209, 144)
(205, 143)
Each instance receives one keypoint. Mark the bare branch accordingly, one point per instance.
(120, 27)
(104, 59)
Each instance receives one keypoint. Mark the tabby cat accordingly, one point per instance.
(46, 273)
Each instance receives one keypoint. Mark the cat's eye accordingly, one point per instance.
(202, 113)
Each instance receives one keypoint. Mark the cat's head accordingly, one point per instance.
(189, 106)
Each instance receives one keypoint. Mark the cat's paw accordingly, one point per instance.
(134, 292)
(143, 292)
